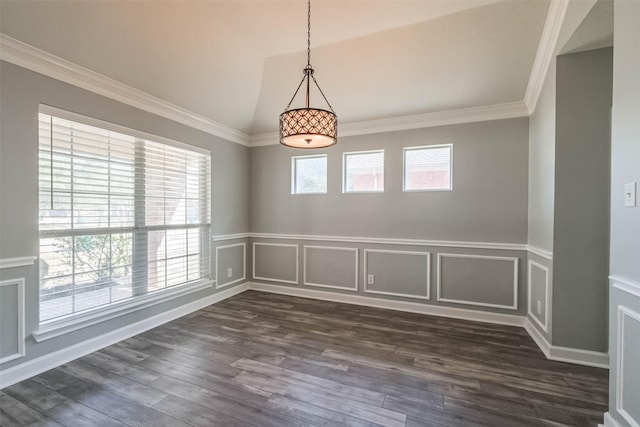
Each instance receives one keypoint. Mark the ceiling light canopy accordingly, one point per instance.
(308, 127)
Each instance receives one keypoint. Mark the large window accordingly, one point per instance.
(363, 172)
(121, 216)
(428, 168)
(309, 174)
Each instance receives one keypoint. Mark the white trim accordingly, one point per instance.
(21, 321)
(333, 248)
(546, 52)
(506, 110)
(626, 285)
(407, 306)
(547, 298)
(397, 294)
(609, 421)
(57, 327)
(426, 147)
(223, 237)
(270, 279)
(24, 261)
(244, 265)
(565, 354)
(41, 364)
(514, 260)
(540, 252)
(623, 312)
(31, 58)
(395, 241)
(344, 171)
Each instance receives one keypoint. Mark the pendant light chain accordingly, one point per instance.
(308, 33)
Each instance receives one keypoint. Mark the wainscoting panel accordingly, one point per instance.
(275, 262)
(539, 298)
(628, 378)
(487, 281)
(230, 264)
(11, 319)
(397, 273)
(331, 267)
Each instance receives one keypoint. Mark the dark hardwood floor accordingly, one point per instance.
(271, 360)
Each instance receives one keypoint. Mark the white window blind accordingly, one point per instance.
(120, 216)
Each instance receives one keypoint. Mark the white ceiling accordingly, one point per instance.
(238, 62)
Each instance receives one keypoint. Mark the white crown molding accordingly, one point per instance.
(546, 51)
(416, 121)
(24, 261)
(27, 56)
(39, 61)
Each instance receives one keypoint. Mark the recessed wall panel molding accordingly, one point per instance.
(275, 262)
(538, 294)
(230, 264)
(12, 319)
(628, 371)
(331, 267)
(486, 281)
(397, 273)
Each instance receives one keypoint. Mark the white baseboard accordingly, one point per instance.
(41, 364)
(411, 307)
(609, 421)
(566, 354)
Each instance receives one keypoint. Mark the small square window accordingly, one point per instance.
(428, 168)
(309, 174)
(363, 172)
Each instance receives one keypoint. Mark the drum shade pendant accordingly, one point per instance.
(308, 127)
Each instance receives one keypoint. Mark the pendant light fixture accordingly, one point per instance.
(308, 127)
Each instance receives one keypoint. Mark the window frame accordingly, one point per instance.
(57, 326)
(422, 147)
(294, 167)
(344, 171)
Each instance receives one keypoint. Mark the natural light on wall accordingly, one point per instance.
(120, 216)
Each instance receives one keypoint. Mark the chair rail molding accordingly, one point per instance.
(24, 261)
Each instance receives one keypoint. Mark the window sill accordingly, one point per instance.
(59, 327)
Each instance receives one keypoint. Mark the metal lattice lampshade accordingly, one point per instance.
(308, 128)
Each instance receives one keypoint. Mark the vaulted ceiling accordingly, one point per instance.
(238, 62)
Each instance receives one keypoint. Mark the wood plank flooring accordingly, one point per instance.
(262, 359)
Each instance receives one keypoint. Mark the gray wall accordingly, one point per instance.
(581, 215)
(542, 153)
(22, 91)
(625, 221)
(488, 202)
(542, 128)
